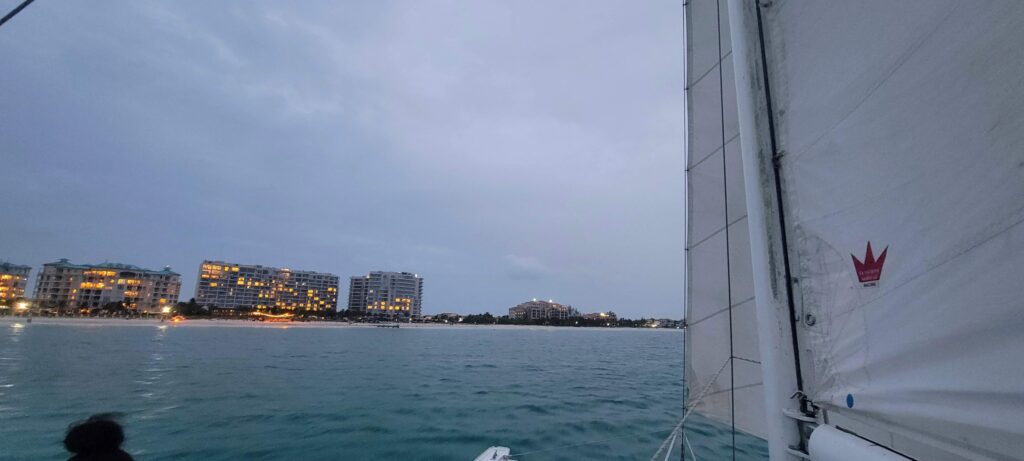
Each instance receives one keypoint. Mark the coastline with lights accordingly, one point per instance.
(18, 322)
(252, 293)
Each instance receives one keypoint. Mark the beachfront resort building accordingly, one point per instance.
(13, 278)
(63, 284)
(246, 287)
(535, 310)
(607, 316)
(387, 294)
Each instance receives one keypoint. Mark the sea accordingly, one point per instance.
(220, 390)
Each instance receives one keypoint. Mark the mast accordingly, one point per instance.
(774, 319)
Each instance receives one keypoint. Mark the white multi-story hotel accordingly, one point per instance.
(253, 287)
(533, 310)
(390, 294)
(62, 284)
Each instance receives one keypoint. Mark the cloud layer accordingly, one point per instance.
(503, 150)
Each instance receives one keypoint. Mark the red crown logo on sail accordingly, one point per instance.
(870, 270)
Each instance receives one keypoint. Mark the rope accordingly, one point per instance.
(689, 409)
(670, 445)
(666, 443)
(15, 11)
(689, 446)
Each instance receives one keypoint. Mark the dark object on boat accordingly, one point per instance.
(98, 438)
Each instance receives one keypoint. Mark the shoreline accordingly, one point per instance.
(235, 323)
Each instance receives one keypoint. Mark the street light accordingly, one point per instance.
(22, 305)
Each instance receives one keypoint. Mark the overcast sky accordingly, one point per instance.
(503, 150)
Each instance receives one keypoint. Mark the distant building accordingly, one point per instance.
(63, 284)
(534, 310)
(252, 287)
(358, 288)
(390, 294)
(608, 316)
(664, 323)
(13, 278)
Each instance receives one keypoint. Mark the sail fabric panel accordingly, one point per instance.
(707, 125)
(901, 126)
(706, 199)
(702, 26)
(707, 294)
(704, 134)
(737, 197)
(719, 266)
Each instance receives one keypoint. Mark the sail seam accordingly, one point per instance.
(756, 362)
(715, 232)
(952, 258)
(719, 311)
(717, 149)
(745, 386)
(900, 61)
(710, 70)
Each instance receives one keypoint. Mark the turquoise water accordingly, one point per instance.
(222, 392)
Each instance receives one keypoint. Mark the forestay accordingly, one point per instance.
(900, 126)
(720, 297)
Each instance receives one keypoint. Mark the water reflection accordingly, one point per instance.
(154, 380)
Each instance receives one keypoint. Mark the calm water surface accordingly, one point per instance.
(196, 391)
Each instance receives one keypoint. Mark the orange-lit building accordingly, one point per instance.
(233, 286)
(62, 284)
(608, 316)
(13, 278)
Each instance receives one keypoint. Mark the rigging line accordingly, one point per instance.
(689, 446)
(700, 396)
(728, 262)
(684, 8)
(675, 434)
(15, 11)
(671, 439)
(776, 166)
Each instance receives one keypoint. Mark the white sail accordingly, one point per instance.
(720, 314)
(900, 124)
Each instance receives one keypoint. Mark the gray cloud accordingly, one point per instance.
(524, 267)
(438, 137)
